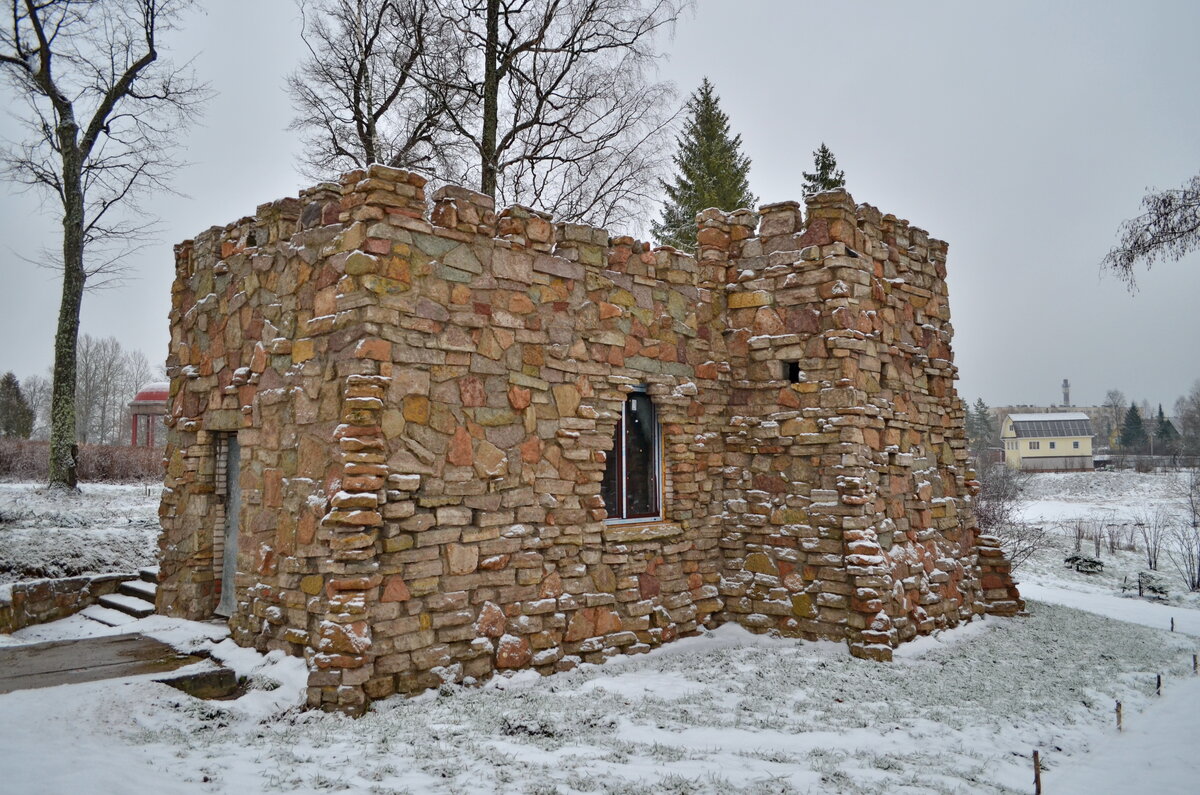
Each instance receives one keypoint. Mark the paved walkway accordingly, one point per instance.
(64, 662)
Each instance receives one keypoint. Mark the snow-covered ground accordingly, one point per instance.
(725, 712)
(104, 528)
(1113, 502)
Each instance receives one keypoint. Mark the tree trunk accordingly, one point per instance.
(63, 449)
(491, 99)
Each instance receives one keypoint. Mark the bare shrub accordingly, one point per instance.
(29, 460)
(1153, 526)
(1112, 532)
(1188, 493)
(1021, 540)
(1000, 497)
(1079, 529)
(997, 508)
(1183, 550)
(1183, 538)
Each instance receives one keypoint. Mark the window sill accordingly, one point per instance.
(648, 531)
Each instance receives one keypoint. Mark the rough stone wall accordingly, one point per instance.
(849, 514)
(424, 403)
(24, 604)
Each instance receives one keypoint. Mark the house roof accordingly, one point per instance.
(153, 392)
(1064, 423)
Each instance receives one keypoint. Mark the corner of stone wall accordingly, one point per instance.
(1000, 596)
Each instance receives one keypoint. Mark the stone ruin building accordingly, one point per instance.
(417, 447)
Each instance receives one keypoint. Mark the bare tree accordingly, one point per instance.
(542, 102)
(1187, 413)
(37, 392)
(561, 113)
(1114, 411)
(371, 88)
(103, 114)
(100, 394)
(1168, 228)
(136, 372)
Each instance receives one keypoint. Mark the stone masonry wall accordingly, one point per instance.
(424, 403)
(24, 604)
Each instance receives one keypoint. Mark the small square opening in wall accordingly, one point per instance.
(792, 372)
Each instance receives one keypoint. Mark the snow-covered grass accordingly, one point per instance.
(1101, 500)
(727, 712)
(960, 712)
(104, 528)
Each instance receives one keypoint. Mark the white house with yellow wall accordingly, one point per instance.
(1041, 442)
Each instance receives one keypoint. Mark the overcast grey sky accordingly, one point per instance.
(1021, 132)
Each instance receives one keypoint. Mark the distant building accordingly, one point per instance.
(1106, 421)
(146, 412)
(1054, 441)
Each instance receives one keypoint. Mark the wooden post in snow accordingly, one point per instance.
(1037, 773)
(1118, 711)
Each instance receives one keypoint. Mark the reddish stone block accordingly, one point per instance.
(395, 590)
(461, 450)
(377, 349)
(513, 652)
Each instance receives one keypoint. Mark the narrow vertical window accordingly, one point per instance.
(632, 486)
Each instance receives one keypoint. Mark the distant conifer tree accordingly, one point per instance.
(16, 417)
(711, 171)
(1164, 431)
(1133, 431)
(827, 175)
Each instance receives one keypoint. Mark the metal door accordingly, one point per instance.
(233, 508)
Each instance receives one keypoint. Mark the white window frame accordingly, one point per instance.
(657, 463)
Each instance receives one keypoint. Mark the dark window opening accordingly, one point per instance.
(793, 372)
(632, 484)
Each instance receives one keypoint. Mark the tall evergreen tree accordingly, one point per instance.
(1133, 431)
(1164, 431)
(711, 171)
(981, 429)
(827, 175)
(16, 417)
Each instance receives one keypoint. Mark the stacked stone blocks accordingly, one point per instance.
(425, 402)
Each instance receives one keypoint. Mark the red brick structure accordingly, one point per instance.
(392, 432)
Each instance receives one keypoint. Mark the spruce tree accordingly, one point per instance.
(711, 171)
(827, 175)
(984, 427)
(1164, 431)
(16, 417)
(1133, 432)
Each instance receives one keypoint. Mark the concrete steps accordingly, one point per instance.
(134, 599)
(106, 616)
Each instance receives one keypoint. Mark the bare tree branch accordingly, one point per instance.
(363, 95)
(1167, 229)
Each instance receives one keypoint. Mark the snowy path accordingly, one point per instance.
(1106, 603)
(1156, 751)
(1155, 754)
